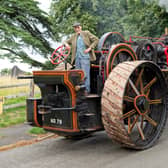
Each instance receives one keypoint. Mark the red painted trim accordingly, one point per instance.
(119, 52)
(104, 52)
(72, 92)
(113, 33)
(166, 53)
(35, 114)
(97, 51)
(136, 105)
(159, 43)
(69, 130)
(53, 72)
(146, 37)
(130, 39)
(108, 60)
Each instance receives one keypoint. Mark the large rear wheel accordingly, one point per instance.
(134, 104)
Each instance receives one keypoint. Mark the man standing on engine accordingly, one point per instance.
(83, 44)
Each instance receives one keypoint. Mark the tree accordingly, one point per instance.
(98, 16)
(5, 71)
(64, 13)
(24, 29)
(129, 17)
(145, 18)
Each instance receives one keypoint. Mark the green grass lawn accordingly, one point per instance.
(37, 130)
(19, 99)
(16, 115)
(12, 117)
(15, 100)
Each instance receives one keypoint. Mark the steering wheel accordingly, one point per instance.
(59, 55)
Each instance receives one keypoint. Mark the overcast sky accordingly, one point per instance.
(44, 4)
(5, 63)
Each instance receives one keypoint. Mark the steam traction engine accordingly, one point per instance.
(127, 99)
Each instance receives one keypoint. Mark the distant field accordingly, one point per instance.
(6, 81)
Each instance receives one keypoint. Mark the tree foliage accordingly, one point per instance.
(98, 16)
(64, 13)
(145, 18)
(129, 17)
(5, 71)
(24, 31)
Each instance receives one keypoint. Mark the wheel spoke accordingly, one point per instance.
(134, 122)
(128, 99)
(141, 86)
(128, 114)
(65, 55)
(129, 125)
(147, 93)
(150, 120)
(62, 50)
(134, 87)
(57, 56)
(59, 52)
(61, 57)
(142, 121)
(140, 131)
(148, 86)
(139, 77)
(156, 101)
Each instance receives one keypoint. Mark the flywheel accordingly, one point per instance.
(134, 104)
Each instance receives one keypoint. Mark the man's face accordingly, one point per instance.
(77, 29)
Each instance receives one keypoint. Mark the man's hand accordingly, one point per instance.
(87, 50)
(67, 46)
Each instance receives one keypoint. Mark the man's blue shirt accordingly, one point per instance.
(80, 48)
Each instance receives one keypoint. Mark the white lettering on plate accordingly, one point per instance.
(56, 121)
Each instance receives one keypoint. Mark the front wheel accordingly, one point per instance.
(134, 104)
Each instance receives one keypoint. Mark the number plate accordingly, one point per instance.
(56, 121)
